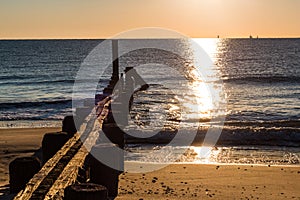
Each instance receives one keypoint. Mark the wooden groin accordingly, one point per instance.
(69, 169)
(64, 168)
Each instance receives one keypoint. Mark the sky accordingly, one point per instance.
(35, 19)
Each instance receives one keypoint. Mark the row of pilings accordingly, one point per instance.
(95, 179)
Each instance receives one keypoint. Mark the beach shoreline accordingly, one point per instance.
(212, 181)
(180, 180)
(18, 142)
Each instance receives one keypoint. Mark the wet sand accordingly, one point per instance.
(18, 142)
(201, 181)
(176, 181)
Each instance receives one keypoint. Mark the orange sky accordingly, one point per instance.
(106, 18)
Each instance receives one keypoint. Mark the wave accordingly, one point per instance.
(267, 124)
(275, 133)
(13, 77)
(34, 104)
(15, 119)
(288, 137)
(263, 79)
(264, 136)
(70, 81)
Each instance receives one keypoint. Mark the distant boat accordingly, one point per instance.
(250, 37)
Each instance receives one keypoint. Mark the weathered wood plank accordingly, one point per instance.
(69, 174)
(74, 144)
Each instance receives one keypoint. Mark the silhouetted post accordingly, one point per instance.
(21, 170)
(115, 56)
(99, 97)
(85, 191)
(114, 134)
(103, 160)
(122, 83)
(68, 125)
(115, 75)
(52, 143)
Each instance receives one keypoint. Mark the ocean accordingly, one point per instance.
(257, 83)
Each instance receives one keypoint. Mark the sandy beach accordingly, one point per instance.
(184, 181)
(201, 181)
(18, 142)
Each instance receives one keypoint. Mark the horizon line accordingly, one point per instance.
(86, 38)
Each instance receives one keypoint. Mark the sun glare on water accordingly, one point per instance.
(204, 87)
(209, 45)
(202, 154)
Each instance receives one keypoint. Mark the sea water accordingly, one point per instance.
(259, 81)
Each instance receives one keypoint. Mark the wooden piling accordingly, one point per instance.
(101, 173)
(21, 170)
(52, 143)
(114, 134)
(68, 125)
(115, 56)
(99, 97)
(85, 191)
